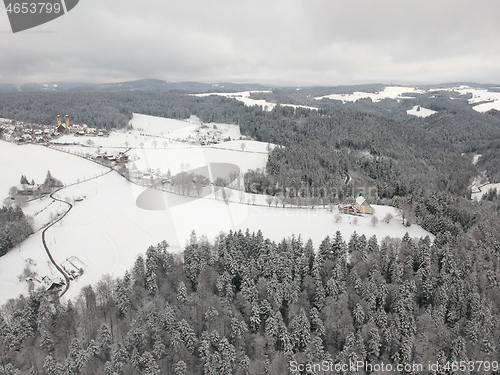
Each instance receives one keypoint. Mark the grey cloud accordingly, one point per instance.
(280, 41)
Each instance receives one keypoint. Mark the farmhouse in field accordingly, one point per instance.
(28, 189)
(122, 158)
(362, 205)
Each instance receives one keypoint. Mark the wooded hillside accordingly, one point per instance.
(246, 305)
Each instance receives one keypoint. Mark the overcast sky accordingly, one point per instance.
(288, 42)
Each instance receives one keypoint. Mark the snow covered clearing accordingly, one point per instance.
(420, 111)
(184, 159)
(476, 158)
(108, 230)
(482, 100)
(246, 146)
(178, 129)
(34, 161)
(157, 125)
(245, 98)
(28, 255)
(390, 92)
(487, 99)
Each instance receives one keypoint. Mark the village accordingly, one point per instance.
(20, 132)
(123, 159)
(23, 133)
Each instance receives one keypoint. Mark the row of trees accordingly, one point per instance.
(27, 189)
(114, 110)
(15, 227)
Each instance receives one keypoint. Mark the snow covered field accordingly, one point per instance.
(487, 99)
(113, 220)
(245, 98)
(34, 161)
(185, 159)
(172, 129)
(29, 254)
(108, 230)
(482, 100)
(390, 92)
(420, 111)
(158, 125)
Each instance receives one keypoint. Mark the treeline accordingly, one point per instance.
(246, 305)
(490, 160)
(325, 149)
(114, 110)
(30, 190)
(15, 227)
(330, 153)
(375, 143)
(455, 124)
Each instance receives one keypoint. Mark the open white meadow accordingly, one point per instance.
(389, 92)
(34, 161)
(172, 128)
(108, 230)
(185, 159)
(245, 98)
(420, 111)
(482, 100)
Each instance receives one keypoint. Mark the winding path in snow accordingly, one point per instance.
(44, 242)
(70, 206)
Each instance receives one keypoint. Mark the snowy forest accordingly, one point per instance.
(14, 227)
(246, 305)
(242, 304)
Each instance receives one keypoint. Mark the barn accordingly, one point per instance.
(362, 205)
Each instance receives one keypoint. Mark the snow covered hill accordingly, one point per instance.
(481, 100)
(113, 220)
(245, 98)
(389, 92)
(34, 161)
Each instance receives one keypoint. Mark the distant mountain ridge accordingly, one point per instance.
(142, 85)
(192, 87)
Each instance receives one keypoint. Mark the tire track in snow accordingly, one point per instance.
(44, 242)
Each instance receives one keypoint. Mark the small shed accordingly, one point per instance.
(52, 285)
(362, 205)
